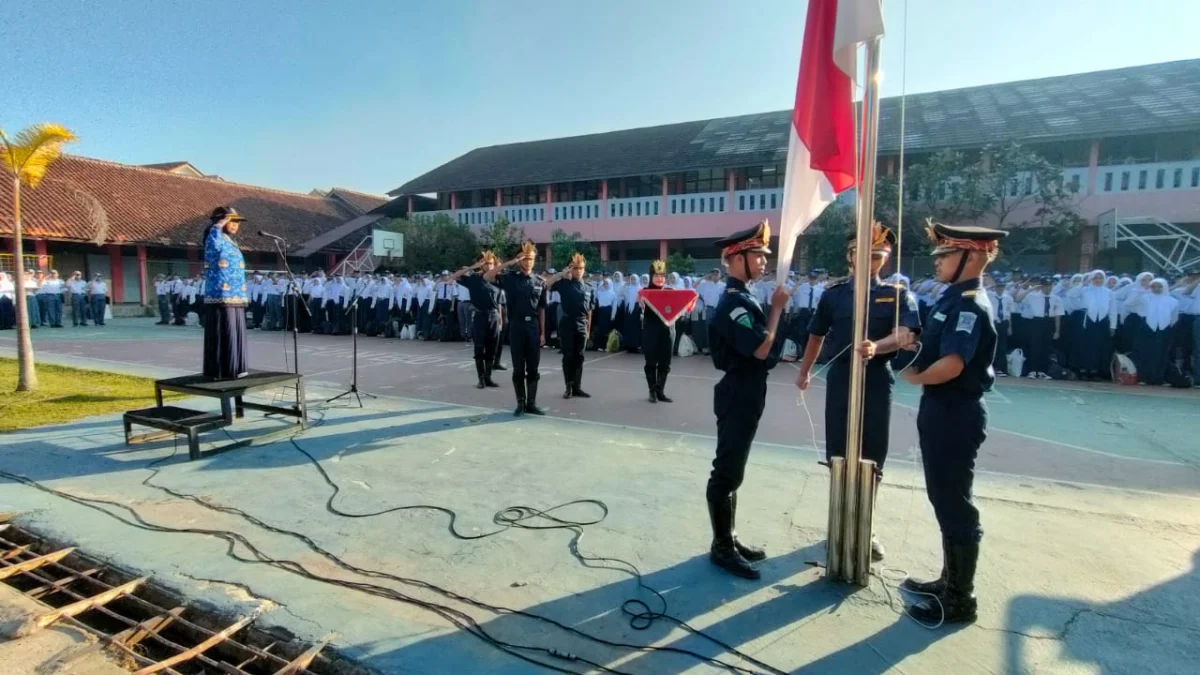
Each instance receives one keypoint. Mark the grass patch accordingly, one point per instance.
(68, 394)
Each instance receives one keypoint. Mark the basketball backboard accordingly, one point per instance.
(1106, 224)
(387, 244)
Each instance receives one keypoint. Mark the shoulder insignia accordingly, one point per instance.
(966, 322)
(886, 298)
(741, 317)
(969, 294)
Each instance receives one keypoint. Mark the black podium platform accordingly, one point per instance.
(231, 393)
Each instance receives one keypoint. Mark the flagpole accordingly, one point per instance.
(855, 536)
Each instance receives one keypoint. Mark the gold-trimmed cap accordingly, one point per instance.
(754, 240)
(577, 261)
(528, 250)
(883, 240)
(948, 238)
(658, 267)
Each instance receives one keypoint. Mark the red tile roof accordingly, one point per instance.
(361, 201)
(154, 207)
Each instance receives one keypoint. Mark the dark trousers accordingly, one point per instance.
(1151, 353)
(504, 330)
(552, 324)
(1039, 336)
(164, 309)
(485, 336)
(382, 317)
(951, 428)
(658, 341)
(573, 339)
(738, 401)
(1000, 363)
(1093, 347)
(316, 306)
(525, 340)
(79, 313)
(877, 411)
(98, 302)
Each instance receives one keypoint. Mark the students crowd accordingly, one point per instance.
(47, 296)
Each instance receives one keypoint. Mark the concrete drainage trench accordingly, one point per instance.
(47, 590)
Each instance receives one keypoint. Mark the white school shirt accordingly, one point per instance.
(98, 288)
(464, 294)
(1035, 305)
(77, 286)
(807, 296)
(52, 287)
(6, 289)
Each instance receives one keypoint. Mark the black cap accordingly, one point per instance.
(756, 239)
(223, 212)
(813, 274)
(882, 238)
(950, 238)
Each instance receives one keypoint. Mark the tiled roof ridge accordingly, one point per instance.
(177, 176)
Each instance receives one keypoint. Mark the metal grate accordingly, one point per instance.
(148, 628)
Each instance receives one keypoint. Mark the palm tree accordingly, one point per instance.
(27, 157)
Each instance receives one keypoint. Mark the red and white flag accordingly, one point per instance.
(821, 147)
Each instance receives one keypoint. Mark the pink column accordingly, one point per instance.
(330, 262)
(604, 252)
(549, 203)
(1093, 167)
(549, 259)
(410, 207)
(117, 289)
(142, 274)
(454, 206)
(193, 256)
(43, 256)
(662, 249)
(663, 205)
(732, 184)
(604, 199)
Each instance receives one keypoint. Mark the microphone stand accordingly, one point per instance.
(295, 320)
(358, 394)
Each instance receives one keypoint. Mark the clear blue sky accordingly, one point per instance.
(367, 94)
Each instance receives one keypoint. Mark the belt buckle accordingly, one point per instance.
(529, 318)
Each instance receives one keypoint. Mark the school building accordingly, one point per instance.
(1129, 139)
(129, 223)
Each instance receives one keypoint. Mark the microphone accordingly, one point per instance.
(264, 233)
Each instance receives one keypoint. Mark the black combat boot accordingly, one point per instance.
(531, 405)
(659, 384)
(487, 376)
(576, 389)
(479, 369)
(519, 390)
(499, 366)
(652, 382)
(724, 553)
(569, 377)
(934, 587)
(751, 553)
(956, 604)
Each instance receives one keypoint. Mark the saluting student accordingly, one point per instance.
(577, 306)
(658, 339)
(526, 300)
(485, 321)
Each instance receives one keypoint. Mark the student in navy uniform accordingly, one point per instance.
(658, 339)
(742, 338)
(892, 320)
(485, 322)
(576, 303)
(954, 369)
(525, 296)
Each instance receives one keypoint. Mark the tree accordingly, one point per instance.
(502, 238)
(27, 157)
(435, 244)
(564, 245)
(681, 263)
(826, 238)
(1011, 187)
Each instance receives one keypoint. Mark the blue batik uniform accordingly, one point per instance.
(225, 270)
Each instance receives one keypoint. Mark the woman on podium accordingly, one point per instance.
(225, 298)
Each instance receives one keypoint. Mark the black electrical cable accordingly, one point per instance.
(517, 516)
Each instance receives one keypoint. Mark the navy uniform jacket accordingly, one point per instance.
(577, 299)
(526, 294)
(484, 296)
(737, 330)
(961, 323)
(835, 316)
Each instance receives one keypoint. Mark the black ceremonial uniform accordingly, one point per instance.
(737, 330)
(526, 299)
(577, 301)
(834, 320)
(485, 324)
(952, 420)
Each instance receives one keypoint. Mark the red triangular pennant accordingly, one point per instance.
(669, 303)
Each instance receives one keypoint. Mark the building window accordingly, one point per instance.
(672, 206)
(773, 198)
(1160, 178)
(762, 202)
(722, 203)
(1142, 179)
(443, 201)
(1108, 181)
(1029, 185)
(630, 187)
(759, 177)
(656, 208)
(1178, 178)
(695, 182)
(1075, 183)
(1196, 177)
(1124, 181)
(741, 202)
